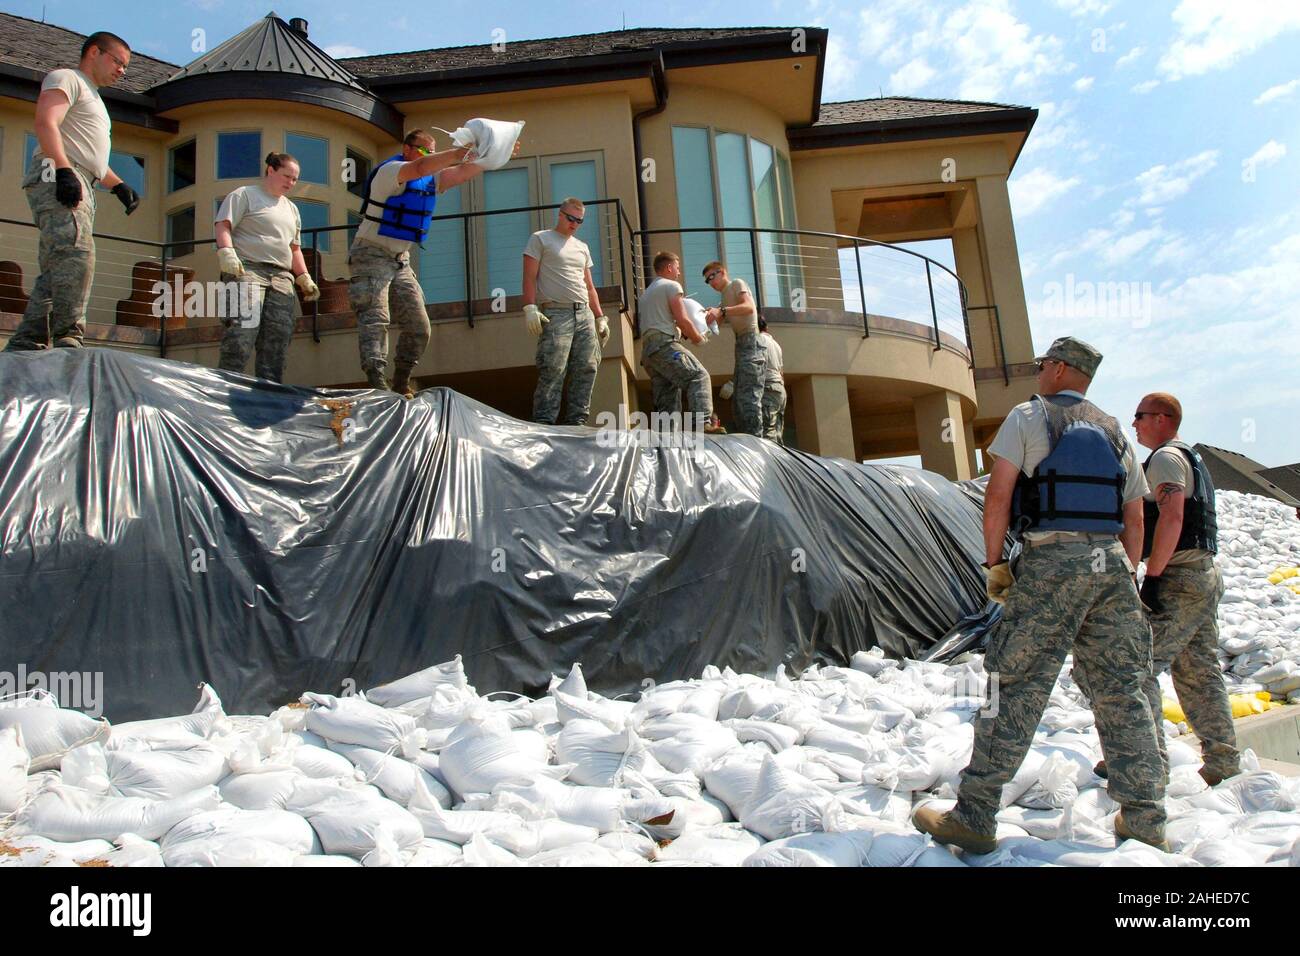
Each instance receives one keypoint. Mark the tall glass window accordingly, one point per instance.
(314, 215)
(579, 179)
(360, 167)
(441, 263)
(735, 195)
(130, 168)
(180, 232)
(507, 234)
(695, 210)
(30, 146)
(239, 155)
(181, 166)
(767, 207)
(313, 155)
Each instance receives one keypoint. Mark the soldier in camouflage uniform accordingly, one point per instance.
(74, 142)
(739, 309)
(774, 397)
(1072, 591)
(562, 309)
(380, 280)
(673, 370)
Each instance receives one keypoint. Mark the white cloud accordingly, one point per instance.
(1268, 154)
(1130, 56)
(1162, 183)
(1083, 84)
(840, 68)
(337, 50)
(1121, 249)
(911, 78)
(1033, 190)
(1084, 8)
(1146, 86)
(1214, 34)
(1281, 91)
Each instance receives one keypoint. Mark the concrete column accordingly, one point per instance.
(1002, 263)
(613, 388)
(941, 435)
(970, 448)
(822, 420)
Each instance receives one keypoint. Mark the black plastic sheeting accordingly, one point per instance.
(166, 524)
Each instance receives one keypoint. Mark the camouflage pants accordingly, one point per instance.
(1078, 596)
(56, 310)
(1186, 640)
(568, 347)
(774, 411)
(751, 370)
(269, 327)
(674, 371)
(380, 279)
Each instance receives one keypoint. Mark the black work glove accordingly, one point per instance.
(67, 187)
(130, 199)
(1150, 594)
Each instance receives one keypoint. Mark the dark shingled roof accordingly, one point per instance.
(483, 56)
(269, 46)
(43, 47)
(885, 109)
(1233, 471)
(1286, 477)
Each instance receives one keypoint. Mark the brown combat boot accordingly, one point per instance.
(1100, 769)
(946, 829)
(402, 383)
(1214, 778)
(1122, 833)
(375, 378)
(711, 429)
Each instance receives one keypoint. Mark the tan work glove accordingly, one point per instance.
(727, 390)
(535, 319)
(229, 260)
(999, 582)
(310, 291)
(602, 329)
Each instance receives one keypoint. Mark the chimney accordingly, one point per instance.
(299, 24)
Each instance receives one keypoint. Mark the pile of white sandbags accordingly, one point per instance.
(727, 769)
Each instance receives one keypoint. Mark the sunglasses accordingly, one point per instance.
(1138, 416)
(576, 220)
(710, 277)
(1039, 365)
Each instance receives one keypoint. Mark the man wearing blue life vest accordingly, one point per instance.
(562, 309)
(400, 197)
(1067, 485)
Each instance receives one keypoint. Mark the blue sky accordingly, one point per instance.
(1156, 203)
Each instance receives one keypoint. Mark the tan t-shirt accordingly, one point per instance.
(263, 227)
(1025, 441)
(731, 295)
(86, 128)
(1169, 466)
(654, 307)
(562, 266)
(775, 359)
(384, 184)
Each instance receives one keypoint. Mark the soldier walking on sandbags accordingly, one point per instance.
(562, 309)
(73, 133)
(1067, 483)
(1182, 586)
(751, 357)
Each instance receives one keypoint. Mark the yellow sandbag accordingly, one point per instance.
(1282, 574)
(1243, 705)
(1174, 712)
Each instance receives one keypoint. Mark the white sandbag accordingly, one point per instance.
(600, 808)
(784, 803)
(687, 743)
(1055, 787)
(1025, 777)
(322, 763)
(234, 837)
(623, 842)
(325, 860)
(838, 740)
(398, 779)
(612, 713)
(48, 731)
(527, 838)
(70, 814)
(349, 821)
(598, 755)
(435, 853)
(687, 815)
(1230, 852)
(164, 774)
(732, 778)
(458, 826)
(874, 804)
(34, 850)
(726, 844)
(352, 720)
(483, 753)
(260, 791)
(207, 716)
(14, 762)
(132, 852)
(493, 141)
(814, 850)
(422, 684)
(583, 854)
(479, 851)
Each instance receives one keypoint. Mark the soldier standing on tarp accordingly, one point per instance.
(751, 356)
(1067, 483)
(73, 133)
(773, 386)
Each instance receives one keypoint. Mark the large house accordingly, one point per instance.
(713, 143)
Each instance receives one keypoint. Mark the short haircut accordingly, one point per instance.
(276, 160)
(573, 202)
(664, 258)
(1164, 402)
(715, 264)
(103, 39)
(417, 136)
(762, 324)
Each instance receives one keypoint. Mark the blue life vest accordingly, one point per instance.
(406, 215)
(1200, 531)
(1079, 486)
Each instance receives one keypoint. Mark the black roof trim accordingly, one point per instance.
(981, 123)
(134, 109)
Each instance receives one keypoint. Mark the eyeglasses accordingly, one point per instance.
(1138, 416)
(114, 57)
(576, 220)
(423, 150)
(711, 275)
(1042, 362)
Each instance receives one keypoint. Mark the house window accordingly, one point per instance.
(695, 207)
(313, 155)
(129, 168)
(360, 166)
(581, 179)
(181, 166)
(314, 215)
(239, 155)
(508, 233)
(354, 220)
(441, 263)
(180, 232)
